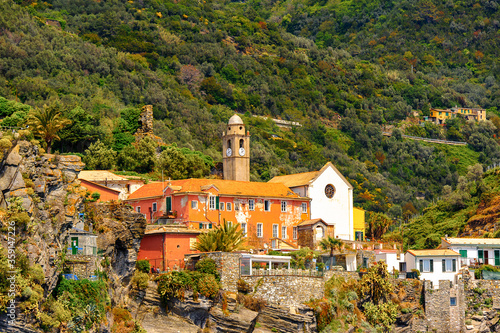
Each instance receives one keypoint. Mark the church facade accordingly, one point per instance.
(331, 197)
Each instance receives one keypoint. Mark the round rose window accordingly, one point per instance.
(329, 191)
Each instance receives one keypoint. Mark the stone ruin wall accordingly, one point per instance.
(440, 315)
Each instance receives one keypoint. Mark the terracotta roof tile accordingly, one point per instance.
(471, 241)
(224, 187)
(148, 190)
(297, 179)
(434, 252)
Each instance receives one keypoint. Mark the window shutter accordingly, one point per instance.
(201, 225)
(497, 257)
(432, 265)
(217, 202)
(169, 204)
(210, 226)
(421, 265)
(444, 265)
(480, 254)
(454, 265)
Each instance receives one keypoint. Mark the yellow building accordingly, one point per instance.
(359, 223)
(471, 113)
(439, 116)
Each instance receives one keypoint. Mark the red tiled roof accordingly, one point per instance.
(223, 187)
(148, 190)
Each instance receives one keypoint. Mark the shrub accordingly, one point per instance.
(208, 266)
(143, 266)
(251, 303)
(382, 315)
(208, 286)
(243, 287)
(140, 280)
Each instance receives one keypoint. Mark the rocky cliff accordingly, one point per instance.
(42, 194)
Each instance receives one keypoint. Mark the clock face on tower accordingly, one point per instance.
(242, 151)
(229, 152)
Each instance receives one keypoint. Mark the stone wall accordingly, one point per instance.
(441, 317)
(286, 290)
(228, 265)
(346, 275)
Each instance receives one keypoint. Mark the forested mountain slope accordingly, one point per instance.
(197, 62)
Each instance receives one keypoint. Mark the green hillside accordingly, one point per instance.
(198, 62)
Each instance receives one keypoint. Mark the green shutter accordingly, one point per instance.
(454, 265)
(210, 226)
(444, 265)
(432, 265)
(421, 265)
(497, 257)
(217, 202)
(480, 254)
(463, 253)
(201, 225)
(169, 204)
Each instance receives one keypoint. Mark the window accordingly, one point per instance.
(283, 206)
(304, 208)
(329, 191)
(259, 229)
(273, 243)
(244, 229)
(294, 232)
(463, 253)
(426, 265)
(267, 205)
(154, 206)
(251, 204)
(236, 206)
(453, 301)
(449, 265)
(275, 230)
(283, 232)
(221, 206)
(194, 204)
(228, 206)
(138, 209)
(212, 202)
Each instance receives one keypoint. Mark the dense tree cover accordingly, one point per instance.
(198, 62)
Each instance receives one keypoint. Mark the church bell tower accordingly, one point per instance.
(236, 150)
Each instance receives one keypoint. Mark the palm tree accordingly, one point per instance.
(331, 244)
(46, 123)
(225, 238)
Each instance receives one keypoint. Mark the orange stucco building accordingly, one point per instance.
(164, 246)
(263, 210)
(106, 193)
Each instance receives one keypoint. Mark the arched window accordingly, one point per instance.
(228, 143)
(241, 143)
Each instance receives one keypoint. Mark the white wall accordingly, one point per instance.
(337, 210)
(391, 259)
(473, 256)
(412, 262)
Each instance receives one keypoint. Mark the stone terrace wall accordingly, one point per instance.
(346, 275)
(286, 290)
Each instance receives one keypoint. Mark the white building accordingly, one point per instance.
(392, 258)
(474, 250)
(125, 184)
(331, 197)
(434, 265)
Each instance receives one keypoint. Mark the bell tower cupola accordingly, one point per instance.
(236, 150)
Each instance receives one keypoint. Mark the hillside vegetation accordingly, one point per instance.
(471, 210)
(199, 62)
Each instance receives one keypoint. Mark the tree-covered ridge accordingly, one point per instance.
(198, 62)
